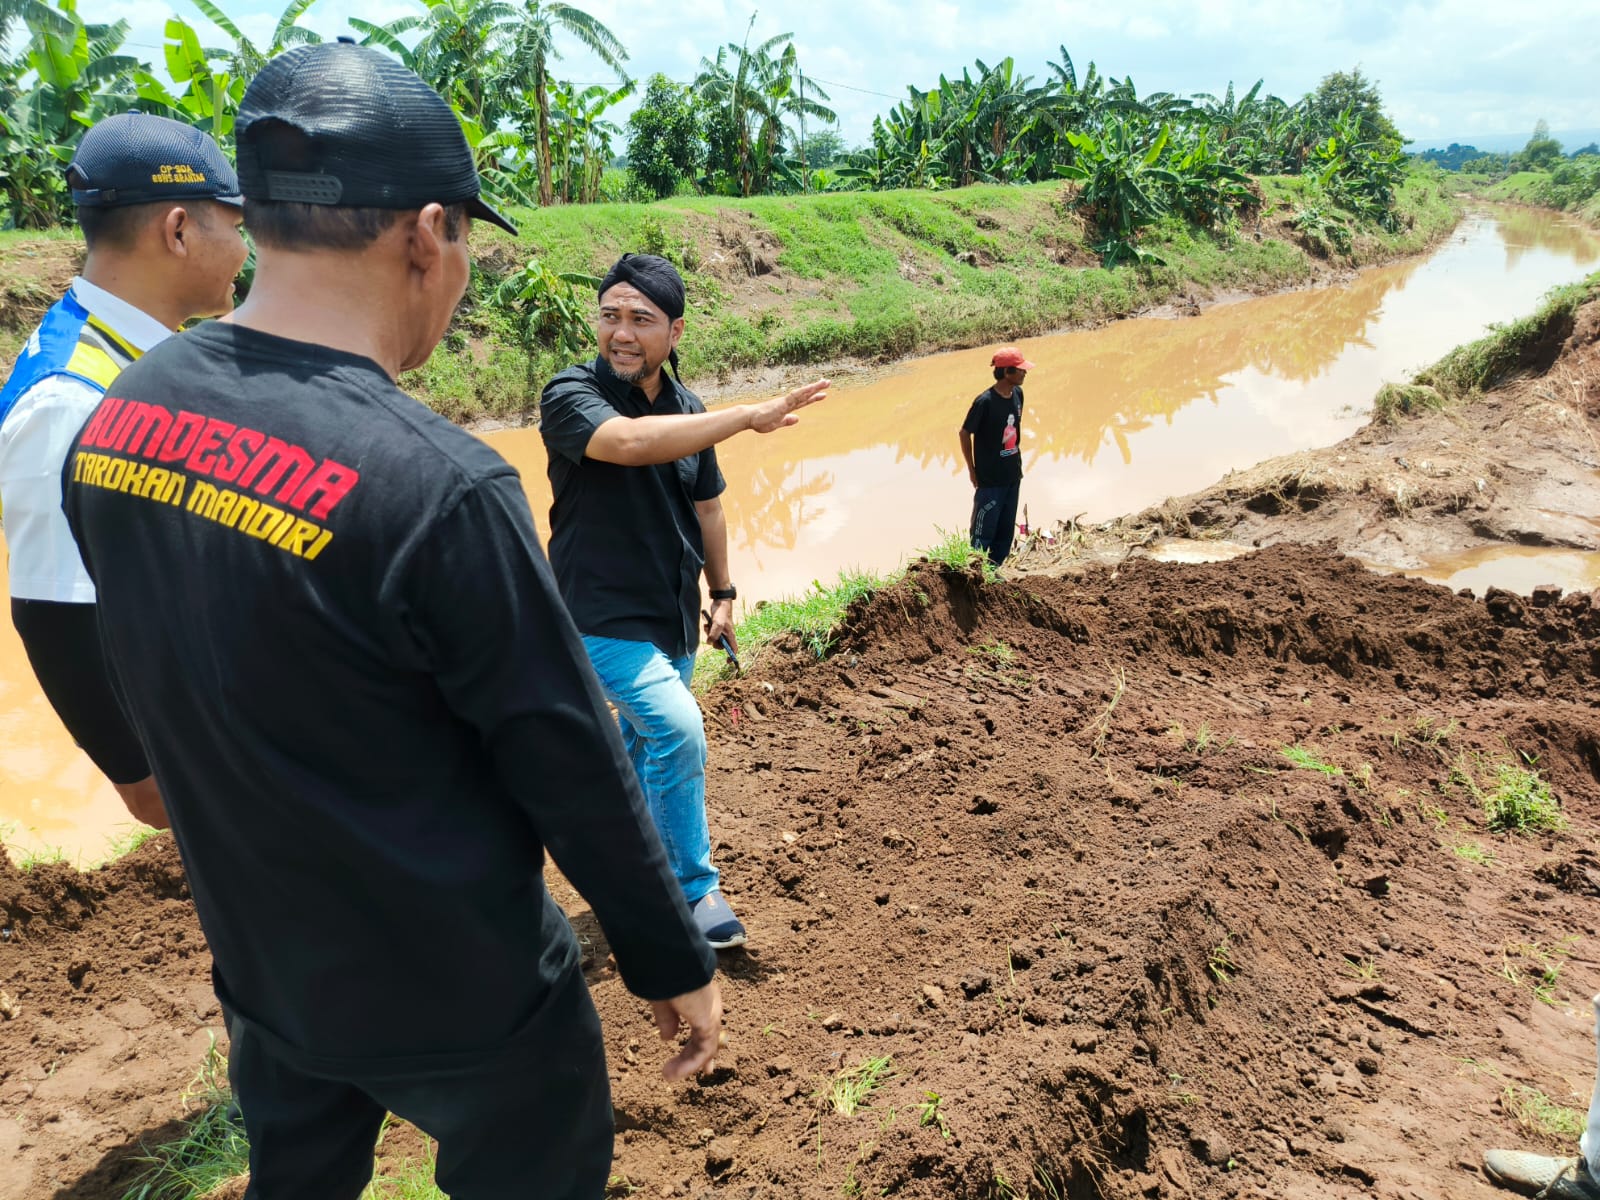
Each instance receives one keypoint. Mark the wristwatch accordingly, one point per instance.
(728, 593)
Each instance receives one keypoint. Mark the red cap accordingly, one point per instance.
(1010, 356)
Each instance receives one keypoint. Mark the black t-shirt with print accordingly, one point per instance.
(995, 423)
(366, 707)
(625, 542)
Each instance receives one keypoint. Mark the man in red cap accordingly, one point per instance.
(991, 443)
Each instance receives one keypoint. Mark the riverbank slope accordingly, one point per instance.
(837, 279)
(1496, 444)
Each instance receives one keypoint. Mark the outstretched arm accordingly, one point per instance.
(645, 441)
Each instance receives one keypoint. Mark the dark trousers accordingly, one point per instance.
(994, 520)
(534, 1121)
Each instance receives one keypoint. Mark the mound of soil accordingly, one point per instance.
(1035, 853)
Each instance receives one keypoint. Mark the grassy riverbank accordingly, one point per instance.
(820, 279)
(1571, 189)
(817, 279)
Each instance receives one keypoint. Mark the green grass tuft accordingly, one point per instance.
(815, 616)
(407, 1179)
(850, 1090)
(1539, 1114)
(125, 844)
(1473, 852)
(212, 1150)
(1307, 758)
(44, 856)
(1396, 400)
(1514, 796)
(956, 552)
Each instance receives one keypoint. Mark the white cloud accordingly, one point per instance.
(1145, 28)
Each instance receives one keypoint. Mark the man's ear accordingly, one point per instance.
(428, 238)
(175, 226)
(677, 331)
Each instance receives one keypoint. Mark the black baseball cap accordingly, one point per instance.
(138, 158)
(368, 134)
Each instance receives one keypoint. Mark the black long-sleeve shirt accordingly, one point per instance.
(367, 708)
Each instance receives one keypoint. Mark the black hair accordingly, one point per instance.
(1000, 373)
(116, 228)
(291, 225)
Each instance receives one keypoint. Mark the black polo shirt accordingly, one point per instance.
(625, 541)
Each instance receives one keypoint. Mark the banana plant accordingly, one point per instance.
(77, 77)
(580, 137)
(246, 58)
(1124, 187)
(209, 96)
(552, 312)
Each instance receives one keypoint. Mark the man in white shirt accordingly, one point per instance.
(159, 206)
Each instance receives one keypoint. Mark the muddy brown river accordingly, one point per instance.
(1117, 418)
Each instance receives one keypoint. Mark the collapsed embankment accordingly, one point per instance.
(859, 277)
(1037, 849)
(1496, 444)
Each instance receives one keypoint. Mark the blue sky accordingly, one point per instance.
(1448, 69)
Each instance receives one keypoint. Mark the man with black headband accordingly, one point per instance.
(635, 522)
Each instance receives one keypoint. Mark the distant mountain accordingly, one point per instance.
(1495, 143)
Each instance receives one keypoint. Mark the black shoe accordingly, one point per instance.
(716, 920)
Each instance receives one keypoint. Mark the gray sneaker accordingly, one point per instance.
(716, 920)
(1541, 1175)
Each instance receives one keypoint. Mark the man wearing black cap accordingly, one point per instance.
(159, 208)
(369, 711)
(635, 521)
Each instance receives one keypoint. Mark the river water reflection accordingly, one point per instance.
(1118, 418)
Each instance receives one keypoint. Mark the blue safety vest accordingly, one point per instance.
(69, 341)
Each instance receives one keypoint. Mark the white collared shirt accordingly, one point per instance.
(34, 441)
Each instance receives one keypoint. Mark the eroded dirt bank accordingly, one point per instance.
(1038, 845)
(1519, 464)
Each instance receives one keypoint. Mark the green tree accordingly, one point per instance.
(1352, 91)
(210, 99)
(748, 96)
(1542, 151)
(664, 137)
(459, 53)
(247, 58)
(581, 137)
(824, 148)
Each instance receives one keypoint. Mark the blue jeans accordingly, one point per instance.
(665, 736)
(994, 520)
